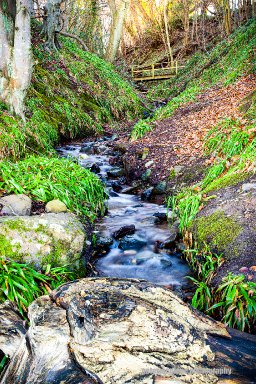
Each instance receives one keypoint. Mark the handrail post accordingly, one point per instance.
(153, 71)
(176, 67)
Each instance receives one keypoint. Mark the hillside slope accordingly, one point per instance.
(73, 94)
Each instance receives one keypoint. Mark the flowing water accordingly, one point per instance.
(137, 255)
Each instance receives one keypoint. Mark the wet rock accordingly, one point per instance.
(16, 205)
(101, 150)
(87, 148)
(116, 186)
(160, 217)
(124, 231)
(160, 188)
(146, 175)
(118, 331)
(131, 210)
(116, 172)
(70, 148)
(112, 193)
(170, 241)
(132, 188)
(95, 168)
(103, 243)
(180, 246)
(147, 194)
(83, 156)
(55, 206)
(12, 328)
(56, 238)
(132, 242)
(113, 160)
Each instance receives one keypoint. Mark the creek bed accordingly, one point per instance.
(137, 255)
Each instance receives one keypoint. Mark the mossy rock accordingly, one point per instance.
(228, 225)
(57, 239)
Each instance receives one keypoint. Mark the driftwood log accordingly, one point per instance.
(100, 330)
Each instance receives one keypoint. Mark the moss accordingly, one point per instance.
(226, 180)
(15, 224)
(7, 249)
(217, 230)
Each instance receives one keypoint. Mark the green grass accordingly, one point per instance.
(21, 284)
(140, 129)
(45, 179)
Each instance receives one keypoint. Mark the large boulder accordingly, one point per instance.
(100, 330)
(49, 238)
(16, 205)
(228, 225)
(116, 331)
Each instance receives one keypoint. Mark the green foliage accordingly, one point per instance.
(22, 284)
(186, 204)
(204, 262)
(202, 298)
(140, 129)
(45, 179)
(73, 94)
(236, 302)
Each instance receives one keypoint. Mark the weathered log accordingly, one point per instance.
(122, 331)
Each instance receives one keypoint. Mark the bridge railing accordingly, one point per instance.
(155, 71)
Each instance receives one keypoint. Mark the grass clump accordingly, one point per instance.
(233, 302)
(140, 129)
(21, 284)
(45, 179)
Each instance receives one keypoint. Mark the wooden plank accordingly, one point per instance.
(153, 78)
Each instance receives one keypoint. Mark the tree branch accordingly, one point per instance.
(76, 38)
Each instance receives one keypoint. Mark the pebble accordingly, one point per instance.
(248, 187)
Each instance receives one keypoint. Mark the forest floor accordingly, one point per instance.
(179, 140)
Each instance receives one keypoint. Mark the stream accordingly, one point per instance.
(136, 255)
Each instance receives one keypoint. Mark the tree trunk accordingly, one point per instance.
(52, 20)
(118, 18)
(167, 32)
(15, 53)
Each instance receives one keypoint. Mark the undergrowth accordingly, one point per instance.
(45, 179)
(21, 284)
(233, 302)
(224, 64)
(73, 93)
(232, 146)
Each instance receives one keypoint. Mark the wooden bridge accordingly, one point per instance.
(155, 71)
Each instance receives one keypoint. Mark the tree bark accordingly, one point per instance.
(15, 53)
(118, 18)
(52, 18)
